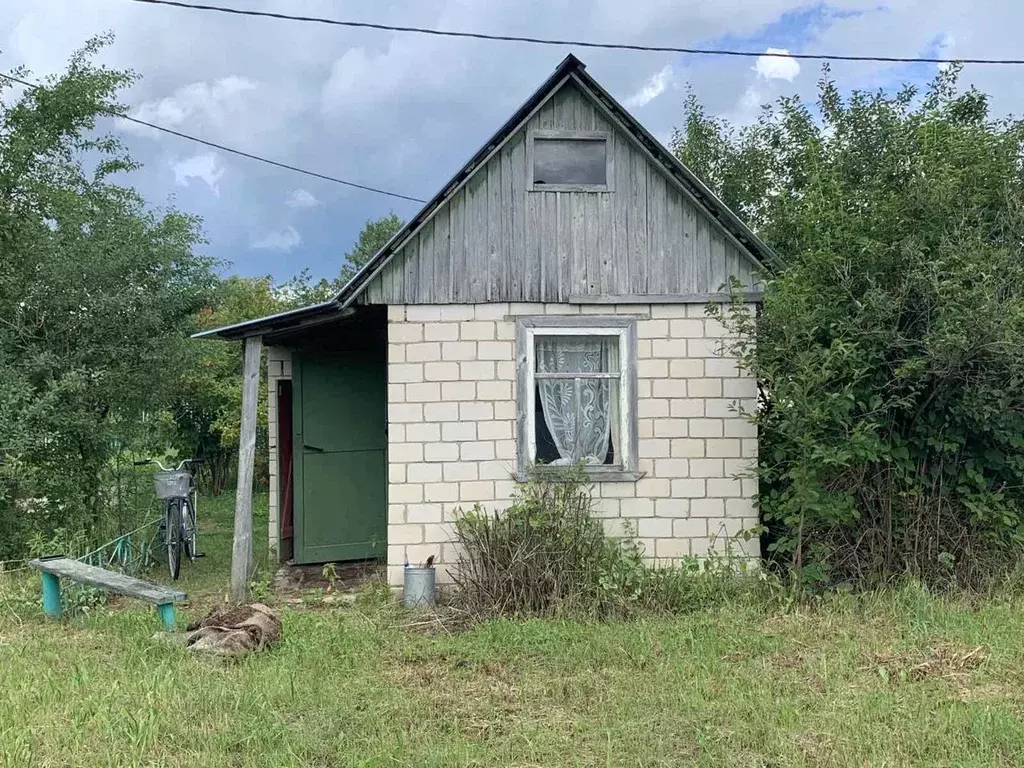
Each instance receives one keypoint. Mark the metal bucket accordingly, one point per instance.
(419, 587)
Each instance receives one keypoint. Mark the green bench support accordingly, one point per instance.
(53, 569)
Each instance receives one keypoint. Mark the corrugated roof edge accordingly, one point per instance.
(569, 65)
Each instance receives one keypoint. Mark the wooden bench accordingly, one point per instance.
(52, 569)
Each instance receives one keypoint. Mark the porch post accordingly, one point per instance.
(241, 550)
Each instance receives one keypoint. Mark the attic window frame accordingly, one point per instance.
(605, 136)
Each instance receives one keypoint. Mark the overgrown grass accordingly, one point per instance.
(893, 678)
(346, 687)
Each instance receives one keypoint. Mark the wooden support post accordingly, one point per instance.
(241, 550)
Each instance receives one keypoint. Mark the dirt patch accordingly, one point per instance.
(942, 661)
(294, 583)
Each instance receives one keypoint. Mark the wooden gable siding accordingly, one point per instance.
(496, 241)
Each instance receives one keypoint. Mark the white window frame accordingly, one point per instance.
(609, 177)
(621, 328)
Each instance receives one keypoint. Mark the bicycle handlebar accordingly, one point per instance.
(181, 466)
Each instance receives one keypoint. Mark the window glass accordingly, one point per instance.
(570, 161)
(577, 416)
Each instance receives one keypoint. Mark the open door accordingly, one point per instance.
(340, 452)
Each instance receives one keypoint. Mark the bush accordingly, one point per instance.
(889, 348)
(547, 554)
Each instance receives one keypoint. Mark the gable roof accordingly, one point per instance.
(570, 68)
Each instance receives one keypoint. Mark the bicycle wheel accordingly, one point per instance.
(173, 537)
(188, 529)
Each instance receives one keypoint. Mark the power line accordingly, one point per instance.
(578, 43)
(239, 152)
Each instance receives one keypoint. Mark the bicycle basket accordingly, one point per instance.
(172, 484)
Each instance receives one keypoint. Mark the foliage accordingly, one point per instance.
(302, 290)
(206, 408)
(373, 236)
(97, 295)
(548, 554)
(889, 349)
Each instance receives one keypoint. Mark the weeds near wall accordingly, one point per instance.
(547, 554)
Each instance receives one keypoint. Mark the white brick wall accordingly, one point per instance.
(452, 374)
(279, 366)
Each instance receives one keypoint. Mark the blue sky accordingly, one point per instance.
(402, 112)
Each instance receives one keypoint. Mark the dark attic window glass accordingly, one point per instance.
(582, 162)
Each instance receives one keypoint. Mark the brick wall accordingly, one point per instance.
(279, 366)
(451, 441)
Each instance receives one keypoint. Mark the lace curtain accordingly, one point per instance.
(579, 413)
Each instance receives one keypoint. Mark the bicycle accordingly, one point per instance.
(176, 488)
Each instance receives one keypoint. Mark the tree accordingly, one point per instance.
(374, 236)
(889, 347)
(206, 406)
(97, 296)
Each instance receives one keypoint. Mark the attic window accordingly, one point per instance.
(570, 161)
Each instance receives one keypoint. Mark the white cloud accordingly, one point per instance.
(204, 166)
(284, 241)
(301, 198)
(211, 101)
(778, 67)
(652, 89)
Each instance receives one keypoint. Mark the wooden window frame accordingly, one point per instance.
(622, 328)
(605, 136)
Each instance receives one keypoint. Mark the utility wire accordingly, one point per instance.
(578, 43)
(239, 152)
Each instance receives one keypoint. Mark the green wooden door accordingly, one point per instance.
(340, 449)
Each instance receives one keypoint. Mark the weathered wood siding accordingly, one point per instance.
(496, 241)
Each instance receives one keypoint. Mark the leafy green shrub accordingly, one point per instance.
(548, 554)
(889, 349)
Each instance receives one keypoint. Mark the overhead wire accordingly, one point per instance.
(239, 152)
(579, 43)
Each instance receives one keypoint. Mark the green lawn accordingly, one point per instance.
(895, 679)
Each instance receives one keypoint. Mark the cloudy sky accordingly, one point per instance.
(402, 111)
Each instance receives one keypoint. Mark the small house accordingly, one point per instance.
(546, 307)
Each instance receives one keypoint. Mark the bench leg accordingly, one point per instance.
(51, 595)
(166, 613)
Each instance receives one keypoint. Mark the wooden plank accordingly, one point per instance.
(534, 274)
(620, 213)
(475, 274)
(425, 281)
(569, 243)
(83, 573)
(549, 246)
(457, 276)
(516, 191)
(495, 246)
(672, 222)
(591, 238)
(702, 254)
(638, 256)
(688, 266)
(241, 548)
(718, 266)
(442, 256)
(655, 234)
(605, 244)
(408, 261)
(659, 298)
